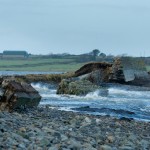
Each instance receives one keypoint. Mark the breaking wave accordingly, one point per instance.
(113, 100)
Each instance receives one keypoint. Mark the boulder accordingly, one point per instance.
(18, 95)
(75, 86)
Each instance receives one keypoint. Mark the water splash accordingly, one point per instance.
(118, 92)
(95, 94)
(117, 98)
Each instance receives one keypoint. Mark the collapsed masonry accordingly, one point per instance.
(129, 70)
(125, 70)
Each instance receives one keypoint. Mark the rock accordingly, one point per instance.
(126, 148)
(87, 120)
(73, 144)
(43, 142)
(105, 147)
(145, 144)
(53, 148)
(18, 95)
(64, 137)
(6, 81)
(111, 139)
(76, 87)
(22, 146)
(22, 129)
(88, 146)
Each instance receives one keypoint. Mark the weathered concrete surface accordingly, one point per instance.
(18, 95)
(123, 70)
(88, 68)
(96, 77)
(129, 70)
(133, 67)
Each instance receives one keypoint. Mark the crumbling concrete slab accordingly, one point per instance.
(133, 68)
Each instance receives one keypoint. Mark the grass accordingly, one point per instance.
(32, 61)
(42, 64)
(148, 68)
(39, 64)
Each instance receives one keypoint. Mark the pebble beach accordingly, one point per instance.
(44, 128)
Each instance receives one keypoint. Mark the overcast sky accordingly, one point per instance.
(76, 26)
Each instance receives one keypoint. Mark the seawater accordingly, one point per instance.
(120, 101)
(25, 72)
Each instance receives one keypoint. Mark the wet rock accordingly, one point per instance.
(55, 129)
(22, 129)
(105, 147)
(126, 148)
(145, 144)
(73, 144)
(107, 110)
(18, 95)
(76, 87)
(111, 139)
(126, 119)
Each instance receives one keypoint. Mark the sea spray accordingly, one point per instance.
(117, 98)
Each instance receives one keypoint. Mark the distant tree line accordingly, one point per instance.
(95, 55)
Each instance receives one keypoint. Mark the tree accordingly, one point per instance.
(95, 53)
(102, 55)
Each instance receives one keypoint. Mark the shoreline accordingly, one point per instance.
(52, 129)
(90, 113)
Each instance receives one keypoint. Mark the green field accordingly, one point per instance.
(42, 64)
(39, 64)
(148, 68)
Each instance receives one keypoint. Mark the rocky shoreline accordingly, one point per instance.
(44, 128)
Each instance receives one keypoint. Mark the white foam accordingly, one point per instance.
(94, 94)
(146, 109)
(126, 93)
(39, 86)
(117, 98)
